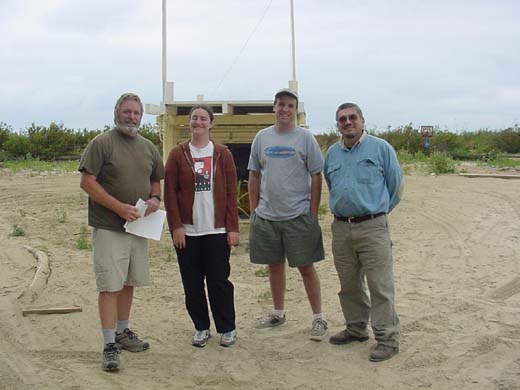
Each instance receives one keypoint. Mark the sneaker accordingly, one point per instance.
(383, 352)
(344, 337)
(228, 338)
(128, 340)
(270, 321)
(200, 338)
(110, 357)
(319, 329)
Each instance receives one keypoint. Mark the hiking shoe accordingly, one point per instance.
(200, 338)
(383, 352)
(319, 329)
(228, 338)
(110, 357)
(344, 337)
(270, 321)
(128, 340)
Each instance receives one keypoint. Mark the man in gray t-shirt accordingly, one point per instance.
(284, 186)
(286, 161)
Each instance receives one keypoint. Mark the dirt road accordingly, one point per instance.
(457, 266)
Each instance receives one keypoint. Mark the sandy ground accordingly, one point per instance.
(457, 267)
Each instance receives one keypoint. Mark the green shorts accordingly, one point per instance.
(298, 240)
(120, 259)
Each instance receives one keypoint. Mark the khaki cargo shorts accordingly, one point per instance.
(119, 259)
(298, 239)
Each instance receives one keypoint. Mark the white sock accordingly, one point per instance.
(315, 316)
(109, 336)
(279, 313)
(121, 325)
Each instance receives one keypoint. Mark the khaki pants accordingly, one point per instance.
(365, 250)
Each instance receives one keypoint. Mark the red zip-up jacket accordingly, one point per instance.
(179, 187)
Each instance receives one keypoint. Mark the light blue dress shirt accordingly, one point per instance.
(363, 180)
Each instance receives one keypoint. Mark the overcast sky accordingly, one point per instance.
(450, 63)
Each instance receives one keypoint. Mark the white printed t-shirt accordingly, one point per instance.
(203, 205)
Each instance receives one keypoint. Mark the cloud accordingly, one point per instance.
(435, 62)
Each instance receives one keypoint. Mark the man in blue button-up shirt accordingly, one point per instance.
(365, 184)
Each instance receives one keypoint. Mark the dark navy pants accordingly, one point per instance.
(207, 258)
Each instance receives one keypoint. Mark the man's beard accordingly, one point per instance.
(129, 130)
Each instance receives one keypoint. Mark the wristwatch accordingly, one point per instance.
(158, 197)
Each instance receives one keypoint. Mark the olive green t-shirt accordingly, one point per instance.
(124, 167)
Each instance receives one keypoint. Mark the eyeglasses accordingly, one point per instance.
(351, 118)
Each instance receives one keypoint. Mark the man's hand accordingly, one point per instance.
(128, 212)
(233, 238)
(179, 238)
(152, 206)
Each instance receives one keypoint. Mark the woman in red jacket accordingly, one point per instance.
(201, 205)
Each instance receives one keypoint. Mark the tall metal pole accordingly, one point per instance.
(164, 51)
(293, 84)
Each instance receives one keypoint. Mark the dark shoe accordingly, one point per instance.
(270, 321)
(110, 357)
(128, 340)
(344, 337)
(383, 352)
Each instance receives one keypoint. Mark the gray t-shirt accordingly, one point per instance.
(286, 162)
(124, 167)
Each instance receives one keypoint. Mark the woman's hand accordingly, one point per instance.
(233, 238)
(179, 238)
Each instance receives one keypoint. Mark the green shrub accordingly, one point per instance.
(502, 161)
(17, 146)
(153, 133)
(440, 162)
(508, 141)
(83, 241)
(262, 272)
(5, 132)
(406, 157)
(38, 165)
(17, 231)
(404, 138)
(323, 210)
(325, 140)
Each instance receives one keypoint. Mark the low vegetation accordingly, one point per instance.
(83, 240)
(262, 272)
(55, 142)
(57, 148)
(17, 231)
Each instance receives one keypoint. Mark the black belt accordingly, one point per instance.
(359, 219)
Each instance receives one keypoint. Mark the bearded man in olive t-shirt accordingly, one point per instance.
(117, 168)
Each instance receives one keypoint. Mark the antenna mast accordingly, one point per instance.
(293, 83)
(164, 51)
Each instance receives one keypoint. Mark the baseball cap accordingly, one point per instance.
(286, 92)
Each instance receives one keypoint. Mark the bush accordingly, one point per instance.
(5, 132)
(508, 141)
(406, 157)
(83, 241)
(502, 161)
(17, 146)
(440, 162)
(325, 140)
(153, 133)
(404, 138)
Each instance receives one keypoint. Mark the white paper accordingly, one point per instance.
(150, 226)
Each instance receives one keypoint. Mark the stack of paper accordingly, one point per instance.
(150, 226)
